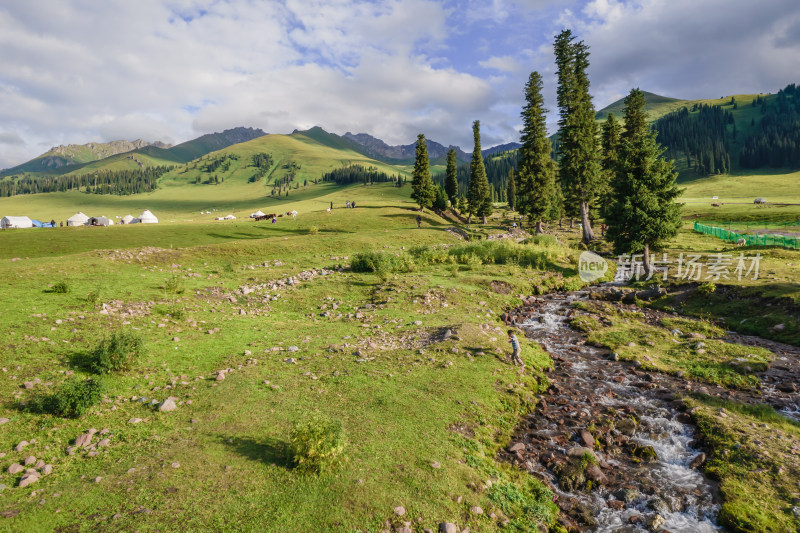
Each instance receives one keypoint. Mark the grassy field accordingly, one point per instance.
(423, 413)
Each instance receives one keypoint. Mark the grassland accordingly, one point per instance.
(423, 414)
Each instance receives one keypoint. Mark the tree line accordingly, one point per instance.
(617, 171)
(775, 142)
(350, 174)
(118, 182)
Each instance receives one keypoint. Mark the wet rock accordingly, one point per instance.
(698, 461)
(571, 477)
(655, 522)
(594, 473)
(626, 426)
(516, 447)
(587, 439)
(627, 494)
(659, 506)
(645, 453)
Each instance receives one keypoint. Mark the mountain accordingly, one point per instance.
(58, 157)
(656, 106)
(378, 149)
(212, 142)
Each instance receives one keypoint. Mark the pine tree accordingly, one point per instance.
(511, 191)
(478, 194)
(609, 142)
(536, 168)
(451, 177)
(422, 190)
(579, 162)
(643, 213)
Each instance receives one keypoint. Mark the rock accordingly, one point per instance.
(475, 510)
(29, 460)
(779, 327)
(594, 473)
(103, 443)
(220, 376)
(82, 441)
(516, 447)
(435, 464)
(4, 421)
(447, 527)
(28, 385)
(47, 470)
(579, 451)
(168, 405)
(134, 420)
(98, 479)
(28, 479)
(15, 468)
(293, 349)
(655, 522)
(400, 510)
(587, 439)
(417, 322)
(39, 464)
(646, 453)
(176, 339)
(21, 446)
(698, 461)
(175, 465)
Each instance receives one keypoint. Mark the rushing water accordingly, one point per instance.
(682, 497)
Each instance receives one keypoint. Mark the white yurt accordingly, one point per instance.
(258, 213)
(128, 219)
(78, 219)
(229, 217)
(15, 222)
(147, 217)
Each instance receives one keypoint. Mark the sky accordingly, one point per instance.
(78, 71)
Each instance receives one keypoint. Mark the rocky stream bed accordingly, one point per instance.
(614, 442)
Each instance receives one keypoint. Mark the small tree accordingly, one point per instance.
(479, 195)
(643, 213)
(439, 199)
(421, 185)
(511, 190)
(451, 177)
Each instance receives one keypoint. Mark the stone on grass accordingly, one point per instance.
(29, 460)
(134, 420)
(82, 441)
(176, 465)
(436, 464)
(400, 510)
(47, 470)
(294, 349)
(4, 421)
(21, 446)
(104, 442)
(447, 527)
(475, 510)
(28, 479)
(168, 405)
(15, 468)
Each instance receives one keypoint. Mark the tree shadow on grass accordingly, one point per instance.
(83, 361)
(269, 450)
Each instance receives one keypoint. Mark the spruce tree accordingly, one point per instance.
(609, 142)
(478, 195)
(536, 168)
(511, 190)
(422, 190)
(579, 161)
(451, 177)
(643, 213)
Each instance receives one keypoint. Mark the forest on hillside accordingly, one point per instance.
(118, 182)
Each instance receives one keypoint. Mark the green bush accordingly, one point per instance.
(313, 230)
(60, 287)
(381, 262)
(174, 284)
(317, 443)
(93, 296)
(706, 288)
(71, 400)
(117, 352)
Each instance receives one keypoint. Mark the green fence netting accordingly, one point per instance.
(750, 239)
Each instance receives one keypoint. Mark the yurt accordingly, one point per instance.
(258, 213)
(15, 222)
(147, 217)
(100, 221)
(128, 219)
(229, 217)
(78, 219)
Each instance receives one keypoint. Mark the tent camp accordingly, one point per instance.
(15, 222)
(147, 217)
(78, 219)
(128, 219)
(100, 221)
(229, 217)
(258, 213)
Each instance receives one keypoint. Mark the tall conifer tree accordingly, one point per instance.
(479, 195)
(422, 190)
(511, 190)
(609, 142)
(536, 168)
(451, 177)
(643, 213)
(579, 161)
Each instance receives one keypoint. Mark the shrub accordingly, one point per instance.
(706, 288)
(381, 263)
(117, 352)
(60, 287)
(313, 230)
(174, 284)
(71, 400)
(317, 443)
(93, 296)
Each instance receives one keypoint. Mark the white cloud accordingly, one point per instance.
(502, 63)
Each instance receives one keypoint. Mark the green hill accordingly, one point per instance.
(657, 106)
(190, 188)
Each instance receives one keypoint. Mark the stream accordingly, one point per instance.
(624, 422)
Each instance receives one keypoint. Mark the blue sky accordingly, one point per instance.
(75, 72)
